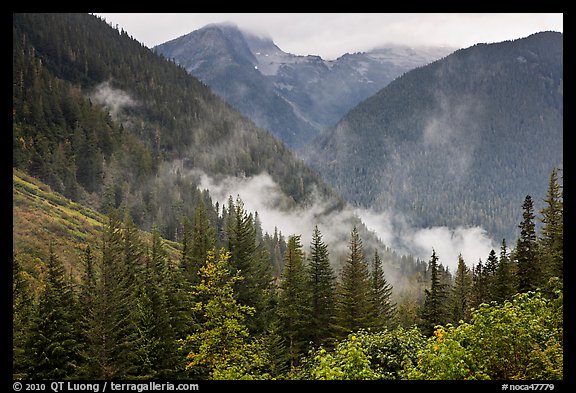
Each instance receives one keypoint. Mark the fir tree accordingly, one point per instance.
(54, 340)
(384, 310)
(22, 314)
(293, 300)
(353, 293)
(529, 270)
(322, 283)
(479, 285)
(462, 292)
(504, 279)
(552, 232)
(203, 240)
(490, 274)
(434, 309)
(252, 262)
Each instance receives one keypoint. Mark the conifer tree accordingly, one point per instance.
(293, 300)
(203, 240)
(186, 260)
(504, 279)
(383, 309)
(159, 314)
(490, 274)
(434, 309)
(462, 292)
(253, 264)
(223, 339)
(54, 339)
(353, 293)
(529, 270)
(322, 283)
(22, 313)
(479, 285)
(90, 326)
(112, 337)
(552, 232)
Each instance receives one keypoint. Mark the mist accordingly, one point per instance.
(114, 100)
(393, 229)
(263, 195)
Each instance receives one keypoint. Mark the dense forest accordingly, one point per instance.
(124, 268)
(215, 310)
(454, 142)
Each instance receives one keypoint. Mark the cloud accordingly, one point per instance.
(263, 195)
(393, 229)
(114, 100)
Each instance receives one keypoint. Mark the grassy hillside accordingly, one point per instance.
(42, 217)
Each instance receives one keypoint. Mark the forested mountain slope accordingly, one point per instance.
(460, 141)
(105, 121)
(295, 97)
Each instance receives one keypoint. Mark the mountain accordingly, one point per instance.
(458, 142)
(295, 97)
(107, 123)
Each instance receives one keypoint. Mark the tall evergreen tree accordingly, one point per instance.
(89, 324)
(322, 283)
(223, 339)
(293, 300)
(203, 240)
(462, 292)
(383, 309)
(552, 232)
(490, 274)
(353, 292)
(186, 259)
(479, 285)
(504, 280)
(22, 314)
(434, 308)
(529, 269)
(253, 264)
(54, 340)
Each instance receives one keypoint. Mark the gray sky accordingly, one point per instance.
(332, 35)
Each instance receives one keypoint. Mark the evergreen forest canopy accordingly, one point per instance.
(205, 294)
(459, 141)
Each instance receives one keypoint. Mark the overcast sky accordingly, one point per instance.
(332, 35)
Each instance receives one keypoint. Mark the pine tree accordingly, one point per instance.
(490, 274)
(253, 264)
(526, 254)
(54, 345)
(322, 283)
(479, 285)
(383, 309)
(293, 300)
(462, 292)
(353, 292)
(552, 232)
(159, 315)
(110, 334)
(22, 313)
(434, 309)
(203, 240)
(186, 259)
(504, 279)
(89, 324)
